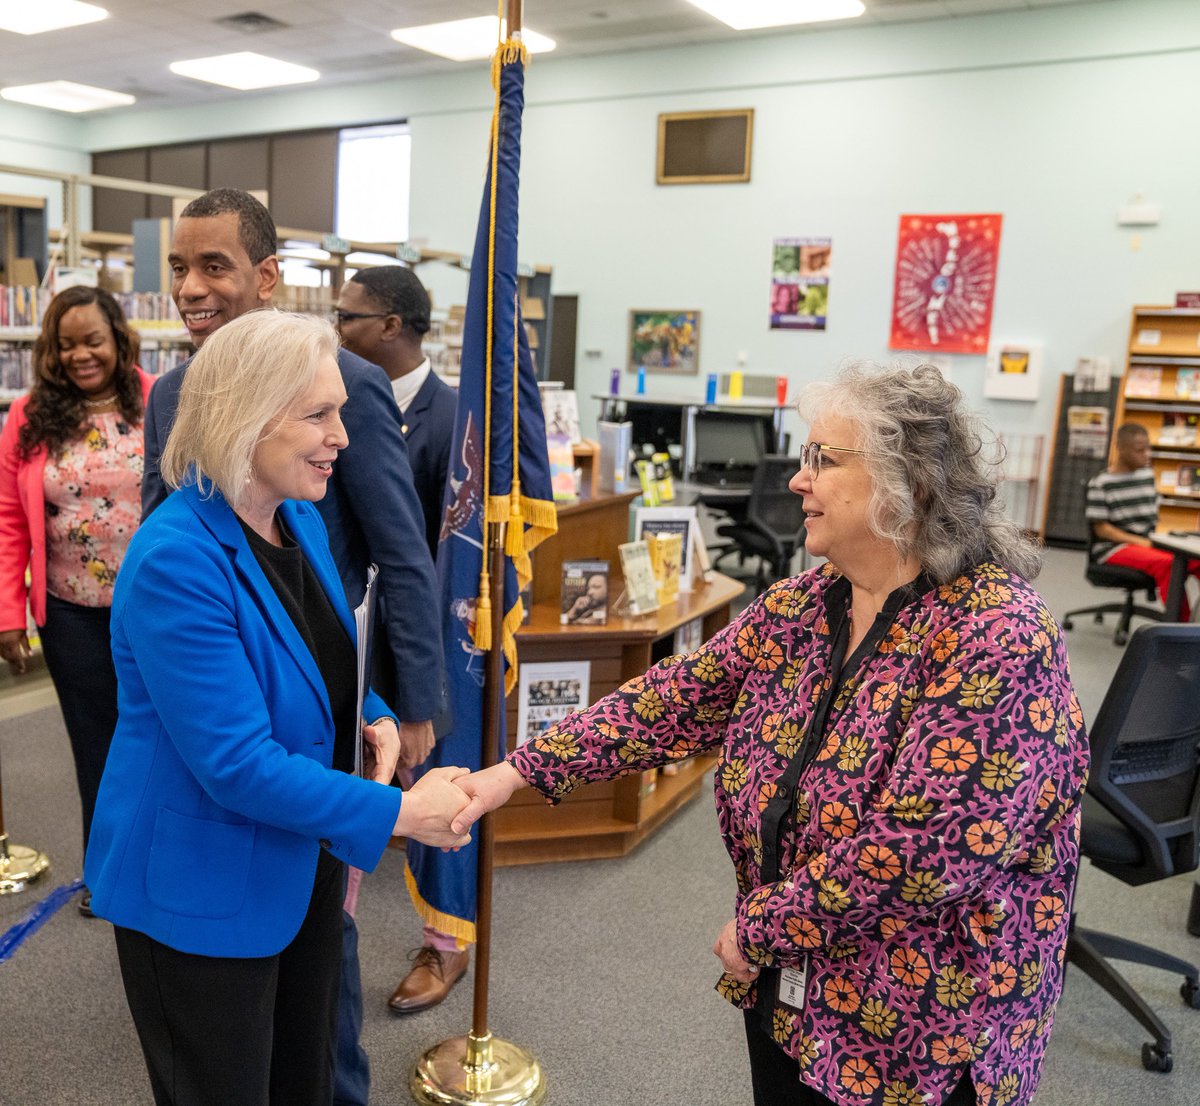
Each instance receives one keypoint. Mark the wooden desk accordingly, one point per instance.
(1185, 547)
(606, 819)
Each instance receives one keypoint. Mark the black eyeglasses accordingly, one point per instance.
(346, 316)
(810, 455)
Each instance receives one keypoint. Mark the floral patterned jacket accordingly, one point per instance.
(922, 873)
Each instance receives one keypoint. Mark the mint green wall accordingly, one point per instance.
(36, 139)
(1054, 118)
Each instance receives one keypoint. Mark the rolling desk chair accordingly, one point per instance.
(1141, 813)
(773, 529)
(1130, 580)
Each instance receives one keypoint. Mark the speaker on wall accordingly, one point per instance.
(705, 147)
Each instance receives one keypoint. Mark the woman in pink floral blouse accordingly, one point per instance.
(902, 761)
(70, 480)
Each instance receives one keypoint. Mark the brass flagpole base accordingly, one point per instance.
(477, 1071)
(19, 866)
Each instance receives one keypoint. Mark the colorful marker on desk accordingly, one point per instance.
(641, 384)
(710, 391)
(614, 382)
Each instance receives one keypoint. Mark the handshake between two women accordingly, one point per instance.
(442, 806)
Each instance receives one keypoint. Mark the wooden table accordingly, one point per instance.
(606, 819)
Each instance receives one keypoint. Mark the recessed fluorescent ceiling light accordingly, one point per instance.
(66, 96)
(27, 18)
(467, 39)
(244, 71)
(747, 15)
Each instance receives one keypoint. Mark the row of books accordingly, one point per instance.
(22, 305)
(1146, 381)
(148, 307)
(16, 365)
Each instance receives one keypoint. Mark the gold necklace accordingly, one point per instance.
(96, 403)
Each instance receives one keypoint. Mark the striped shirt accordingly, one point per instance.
(1128, 500)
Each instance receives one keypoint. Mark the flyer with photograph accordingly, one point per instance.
(547, 693)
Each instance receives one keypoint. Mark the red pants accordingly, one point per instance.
(1156, 563)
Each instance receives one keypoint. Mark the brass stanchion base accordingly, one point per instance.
(477, 1071)
(19, 866)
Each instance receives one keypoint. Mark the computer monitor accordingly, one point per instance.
(727, 444)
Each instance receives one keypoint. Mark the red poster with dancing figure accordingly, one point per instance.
(945, 282)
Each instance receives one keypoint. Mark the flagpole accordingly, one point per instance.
(482, 1070)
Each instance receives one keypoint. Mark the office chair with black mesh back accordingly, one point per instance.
(1141, 814)
(1130, 580)
(773, 529)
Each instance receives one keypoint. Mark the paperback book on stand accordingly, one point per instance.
(641, 588)
(584, 597)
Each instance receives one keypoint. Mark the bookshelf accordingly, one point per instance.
(1161, 391)
(164, 341)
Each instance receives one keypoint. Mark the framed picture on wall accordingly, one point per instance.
(664, 341)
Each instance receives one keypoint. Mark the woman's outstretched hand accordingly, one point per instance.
(429, 806)
(488, 790)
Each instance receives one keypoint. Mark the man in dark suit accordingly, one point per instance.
(383, 314)
(223, 265)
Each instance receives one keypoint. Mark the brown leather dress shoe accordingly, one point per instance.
(429, 981)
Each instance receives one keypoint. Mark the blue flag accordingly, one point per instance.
(499, 472)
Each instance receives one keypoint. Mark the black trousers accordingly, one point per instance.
(776, 1076)
(229, 1031)
(75, 643)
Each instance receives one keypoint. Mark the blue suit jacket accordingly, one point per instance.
(372, 514)
(218, 792)
(428, 433)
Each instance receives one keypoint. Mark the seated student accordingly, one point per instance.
(1122, 508)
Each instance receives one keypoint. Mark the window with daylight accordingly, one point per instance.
(373, 183)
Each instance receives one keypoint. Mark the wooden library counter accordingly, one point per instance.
(606, 819)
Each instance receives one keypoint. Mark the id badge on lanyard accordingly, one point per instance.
(792, 984)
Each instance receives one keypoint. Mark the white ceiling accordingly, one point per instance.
(348, 40)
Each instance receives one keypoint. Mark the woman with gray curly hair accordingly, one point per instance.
(902, 759)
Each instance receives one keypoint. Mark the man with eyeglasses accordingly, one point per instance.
(223, 265)
(383, 314)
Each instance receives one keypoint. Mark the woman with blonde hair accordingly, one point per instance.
(228, 809)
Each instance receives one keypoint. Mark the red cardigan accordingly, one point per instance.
(23, 520)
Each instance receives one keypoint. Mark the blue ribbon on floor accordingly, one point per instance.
(36, 918)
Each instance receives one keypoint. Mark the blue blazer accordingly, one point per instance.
(218, 792)
(372, 514)
(428, 427)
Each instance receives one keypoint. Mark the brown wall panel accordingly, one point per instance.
(239, 163)
(115, 211)
(180, 165)
(304, 179)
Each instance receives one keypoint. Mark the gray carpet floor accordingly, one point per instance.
(603, 970)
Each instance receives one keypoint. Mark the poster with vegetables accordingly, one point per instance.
(800, 283)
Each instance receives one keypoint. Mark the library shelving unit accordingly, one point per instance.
(1161, 391)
